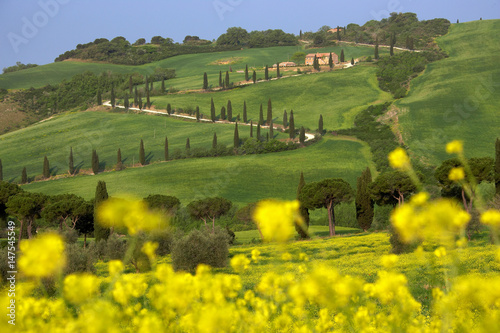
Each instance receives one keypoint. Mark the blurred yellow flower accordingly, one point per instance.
(491, 217)
(42, 256)
(255, 255)
(440, 252)
(455, 147)
(131, 213)
(286, 256)
(398, 159)
(456, 174)
(420, 199)
(115, 267)
(388, 261)
(276, 219)
(81, 287)
(149, 248)
(240, 263)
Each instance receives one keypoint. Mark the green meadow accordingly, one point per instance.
(106, 132)
(189, 68)
(242, 179)
(457, 97)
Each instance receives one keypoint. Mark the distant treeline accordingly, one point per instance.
(19, 66)
(408, 31)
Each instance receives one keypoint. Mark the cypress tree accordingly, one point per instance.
(142, 154)
(258, 132)
(278, 70)
(229, 111)
(302, 135)
(1, 171)
(197, 113)
(342, 59)
(497, 166)
(214, 141)
(140, 102)
(162, 85)
(254, 77)
(220, 79)
(113, 102)
(338, 33)
(261, 115)
(99, 97)
(169, 109)
(251, 129)
(245, 111)
(236, 137)
(136, 97)
(352, 61)
(95, 162)
(24, 176)
(302, 230)
(130, 85)
(300, 34)
(119, 163)
(363, 201)
(188, 145)
(148, 102)
(391, 49)
(146, 85)
(320, 124)
(269, 112)
(166, 148)
(223, 113)
(271, 130)
(227, 80)
(71, 166)
(212, 110)
(205, 81)
(376, 49)
(246, 73)
(46, 168)
(266, 73)
(285, 120)
(330, 61)
(267, 137)
(316, 63)
(292, 125)
(125, 102)
(101, 194)
(151, 85)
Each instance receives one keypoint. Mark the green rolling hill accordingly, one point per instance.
(457, 97)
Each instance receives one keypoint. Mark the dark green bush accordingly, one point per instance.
(79, 259)
(70, 236)
(200, 247)
(164, 238)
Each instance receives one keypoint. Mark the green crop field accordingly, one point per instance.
(189, 68)
(458, 97)
(337, 95)
(106, 132)
(242, 179)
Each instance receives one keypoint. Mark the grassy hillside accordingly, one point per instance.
(337, 95)
(242, 179)
(458, 97)
(189, 68)
(105, 132)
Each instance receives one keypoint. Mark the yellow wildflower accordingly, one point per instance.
(420, 199)
(440, 252)
(456, 174)
(115, 267)
(491, 217)
(255, 255)
(240, 263)
(398, 159)
(286, 256)
(79, 288)
(149, 248)
(276, 219)
(131, 213)
(455, 147)
(42, 256)
(389, 260)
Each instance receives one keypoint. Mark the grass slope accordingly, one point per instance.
(458, 97)
(189, 68)
(105, 132)
(242, 179)
(337, 95)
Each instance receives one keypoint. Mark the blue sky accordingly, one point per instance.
(37, 31)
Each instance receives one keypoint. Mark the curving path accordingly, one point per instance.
(309, 136)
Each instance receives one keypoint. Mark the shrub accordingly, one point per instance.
(70, 236)
(79, 259)
(164, 238)
(115, 247)
(200, 247)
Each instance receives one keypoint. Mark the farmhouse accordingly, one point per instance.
(323, 58)
(334, 30)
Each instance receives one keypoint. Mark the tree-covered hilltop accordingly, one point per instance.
(400, 29)
(121, 51)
